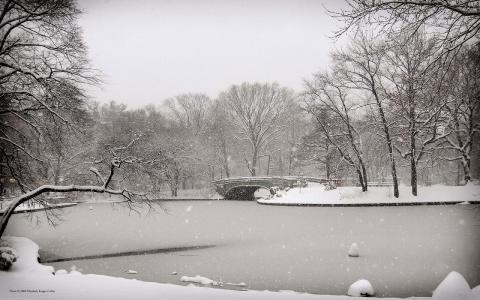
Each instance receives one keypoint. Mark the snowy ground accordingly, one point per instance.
(28, 279)
(315, 194)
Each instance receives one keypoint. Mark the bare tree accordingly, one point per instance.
(43, 65)
(220, 132)
(329, 102)
(360, 68)
(463, 111)
(191, 111)
(418, 104)
(453, 22)
(257, 110)
(316, 149)
(43, 69)
(105, 184)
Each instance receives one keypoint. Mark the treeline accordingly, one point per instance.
(402, 105)
(184, 143)
(190, 140)
(396, 111)
(378, 113)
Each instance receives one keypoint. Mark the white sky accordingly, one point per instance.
(150, 50)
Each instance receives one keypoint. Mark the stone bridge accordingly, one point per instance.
(243, 188)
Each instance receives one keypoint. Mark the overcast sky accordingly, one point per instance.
(149, 50)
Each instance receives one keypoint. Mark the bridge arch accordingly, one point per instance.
(236, 188)
(244, 192)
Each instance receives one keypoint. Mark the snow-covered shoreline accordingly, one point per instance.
(31, 207)
(316, 195)
(29, 279)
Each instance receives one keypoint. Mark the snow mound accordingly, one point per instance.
(199, 279)
(353, 251)
(27, 254)
(476, 292)
(361, 288)
(453, 287)
(312, 194)
(61, 272)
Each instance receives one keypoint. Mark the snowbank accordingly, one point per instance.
(361, 288)
(454, 286)
(29, 279)
(315, 194)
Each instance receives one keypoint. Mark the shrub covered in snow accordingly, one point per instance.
(329, 186)
(7, 258)
(361, 288)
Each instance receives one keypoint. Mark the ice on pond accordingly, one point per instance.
(353, 251)
(361, 288)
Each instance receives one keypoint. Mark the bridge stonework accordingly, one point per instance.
(243, 188)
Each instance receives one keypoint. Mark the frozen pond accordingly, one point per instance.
(404, 251)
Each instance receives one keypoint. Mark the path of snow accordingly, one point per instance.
(315, 194)
(29, 279)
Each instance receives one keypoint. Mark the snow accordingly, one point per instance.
(28, 278)
(27, 253)
(317, 194)
(361, 288)
(476, 292)
(353, 251)
(131, 272)
(454, 286)
(199, 279)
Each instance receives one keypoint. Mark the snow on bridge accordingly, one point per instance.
(243, 188)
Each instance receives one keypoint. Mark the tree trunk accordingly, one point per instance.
(327, 167)
(413, 175)
(466, 169)
(268, 165)
(362, 182)
(413, 161)
(253, 169)
(389, 144)
(364, 175)
(225, 159)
